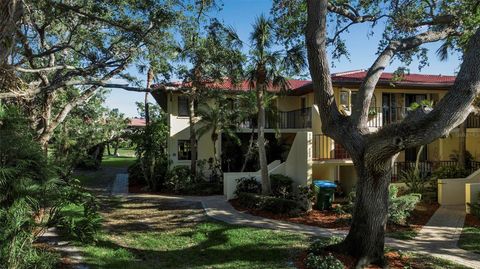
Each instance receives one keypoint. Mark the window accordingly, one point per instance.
(183, 106)
(184, 150)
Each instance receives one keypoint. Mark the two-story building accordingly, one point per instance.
(298, 113)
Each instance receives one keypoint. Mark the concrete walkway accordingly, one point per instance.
(439, 237)
(65, 248)
(120, 185)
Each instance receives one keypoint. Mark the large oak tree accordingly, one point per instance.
(408, 25)
(61, 45)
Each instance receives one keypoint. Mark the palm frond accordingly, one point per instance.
(262, 34)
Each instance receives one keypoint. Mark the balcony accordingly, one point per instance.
(295, 119)
(426, 168)
(325, 148)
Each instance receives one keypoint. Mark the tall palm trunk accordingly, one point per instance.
(193, 133)
(262, 153)
(249, 150)
(462, 145)
(149, 83)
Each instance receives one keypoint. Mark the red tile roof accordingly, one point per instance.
(350, 78)
(243, 86)
(358, 75)
(136, 122)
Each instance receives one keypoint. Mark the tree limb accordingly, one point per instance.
(365, 93)
(450, 111)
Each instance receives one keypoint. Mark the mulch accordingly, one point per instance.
(395, 261)
(332, 220)
(472, 221)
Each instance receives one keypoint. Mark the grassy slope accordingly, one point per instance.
(209, 244)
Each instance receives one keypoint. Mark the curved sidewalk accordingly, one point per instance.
(439, 237)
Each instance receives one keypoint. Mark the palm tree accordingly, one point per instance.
(267, 70)
(216, 120)
(248, 110)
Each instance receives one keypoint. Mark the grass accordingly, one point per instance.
(208, 244)
(403, 235)
(470, 239)
(417, 260)
(125, 159)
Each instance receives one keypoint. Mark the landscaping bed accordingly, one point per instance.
(396, 260)
(334, 220)
(320, 255)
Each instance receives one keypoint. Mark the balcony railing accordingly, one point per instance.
(426, 168)
(379, 116)
(295, 119)
(473, 121)
(325, 148)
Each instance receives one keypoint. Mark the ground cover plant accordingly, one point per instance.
(321, 255)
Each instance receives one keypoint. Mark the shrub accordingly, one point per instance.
(248, 185)
(414, 181)
(269, 203)
(318, 245)
(179, 179)
(323, 262)
(450, 172)
(281, 185)
(203, 188)
(400, 207)
(280, 205)
(305, 197)
(135, 174)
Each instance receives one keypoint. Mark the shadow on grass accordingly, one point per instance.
(208, 245)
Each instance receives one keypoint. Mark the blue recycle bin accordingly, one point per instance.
(324, 193)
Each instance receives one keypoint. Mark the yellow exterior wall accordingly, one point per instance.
(180, 130)
(451, 144)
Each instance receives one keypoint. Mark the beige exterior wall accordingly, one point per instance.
(180, 130)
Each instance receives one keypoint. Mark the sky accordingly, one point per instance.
(240, 14)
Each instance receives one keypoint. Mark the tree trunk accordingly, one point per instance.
(366, 238)
(108, 149)
(149, 83)
(462, 145)
(249, 150)
(262, 154)
(115, 150)
(11, 12)
(193, 133)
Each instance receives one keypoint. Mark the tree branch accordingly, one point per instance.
(365, 93)
(450, 111)
(44, 69)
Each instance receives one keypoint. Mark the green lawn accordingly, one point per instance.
(126, 158)
(403, 235)
(209, 244)
(470, 239)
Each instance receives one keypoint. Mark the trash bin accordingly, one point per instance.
(324, 193)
